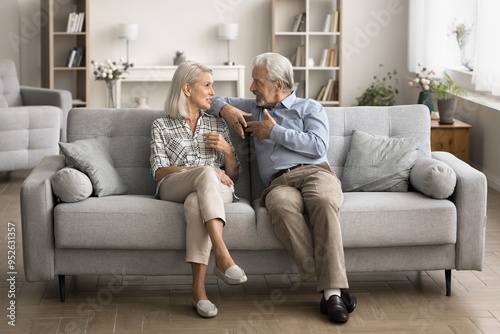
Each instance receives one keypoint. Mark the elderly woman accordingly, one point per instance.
(194, 162)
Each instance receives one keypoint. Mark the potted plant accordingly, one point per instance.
(380, 92)
(446, 93)
(425, 81)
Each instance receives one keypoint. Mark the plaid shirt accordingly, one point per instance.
(173, 143)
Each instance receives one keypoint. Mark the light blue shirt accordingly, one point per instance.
(300, 135)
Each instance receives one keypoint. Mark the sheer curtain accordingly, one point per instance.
(486, 75)
(427, 33)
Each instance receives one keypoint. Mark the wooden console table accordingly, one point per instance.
(453, 138)
(151, 75)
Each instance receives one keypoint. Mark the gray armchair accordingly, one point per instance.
(32, 120)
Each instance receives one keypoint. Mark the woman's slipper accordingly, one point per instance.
(205, 308)
(234, 275)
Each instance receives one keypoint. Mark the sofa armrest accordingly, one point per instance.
(469, 197)
(37, 219)
(34, 96)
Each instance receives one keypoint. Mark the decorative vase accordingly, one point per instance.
(462, 43)
(446, 108)
(179, 58)
(426, 98)
(142, 102)
(110, 94)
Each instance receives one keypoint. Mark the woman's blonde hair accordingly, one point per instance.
(176, 102)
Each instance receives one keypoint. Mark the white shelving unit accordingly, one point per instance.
(58, 42)
(311, 77)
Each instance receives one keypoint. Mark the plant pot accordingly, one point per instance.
(426, 98)
(446, 108)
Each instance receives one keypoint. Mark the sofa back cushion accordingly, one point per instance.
(10, 91)
(393, 122)
(126, 133)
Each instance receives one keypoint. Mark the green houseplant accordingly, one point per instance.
(446, 94)
(381, 92)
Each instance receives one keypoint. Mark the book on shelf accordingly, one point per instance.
(328, 58)
(75, 22)
(299, 56)
(328, 92)
(321, 92)
(76, 56)
(335, 21)
(328, 23)
(299, 22)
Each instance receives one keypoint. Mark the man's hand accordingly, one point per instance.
(261, 129)
(234, 117)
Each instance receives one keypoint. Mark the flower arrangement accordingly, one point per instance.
(424, 80)
(461, 31)
(110, 70)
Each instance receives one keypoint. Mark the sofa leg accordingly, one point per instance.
(62, 287)
(447, 276)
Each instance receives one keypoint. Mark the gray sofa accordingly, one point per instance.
(135, 234)
(32, 120)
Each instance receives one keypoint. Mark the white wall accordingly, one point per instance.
(484, 151)
(374, 32)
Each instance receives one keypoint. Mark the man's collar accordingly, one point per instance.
(288, 101)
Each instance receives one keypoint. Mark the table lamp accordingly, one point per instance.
(228, 31)
(129, 31)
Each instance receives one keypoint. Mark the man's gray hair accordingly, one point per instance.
(176, 102)
(278, 68)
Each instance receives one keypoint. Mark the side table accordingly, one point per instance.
(453, 138)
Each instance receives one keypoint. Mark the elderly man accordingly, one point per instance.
(291, 142)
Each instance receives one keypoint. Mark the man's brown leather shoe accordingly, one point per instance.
(349, 300)
(335, 309)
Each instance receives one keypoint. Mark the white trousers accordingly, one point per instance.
(204, 197)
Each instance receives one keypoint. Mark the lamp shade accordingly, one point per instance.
(228, 31)
(129, 31)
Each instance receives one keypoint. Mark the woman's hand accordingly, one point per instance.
(216, 141)
(224, 179)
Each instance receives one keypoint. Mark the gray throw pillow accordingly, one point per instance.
(91, 157)
(71, 185)
(433, 178)
(379, 163)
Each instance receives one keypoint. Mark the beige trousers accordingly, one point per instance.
(204, 197)
(317, 191)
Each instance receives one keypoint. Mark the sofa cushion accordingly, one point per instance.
(396, 219)
(381, 219)
(71, 185)
(91, 157)
(141, 222)
(433, 178)
(379, 163)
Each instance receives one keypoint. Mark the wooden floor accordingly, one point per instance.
(401, 302)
